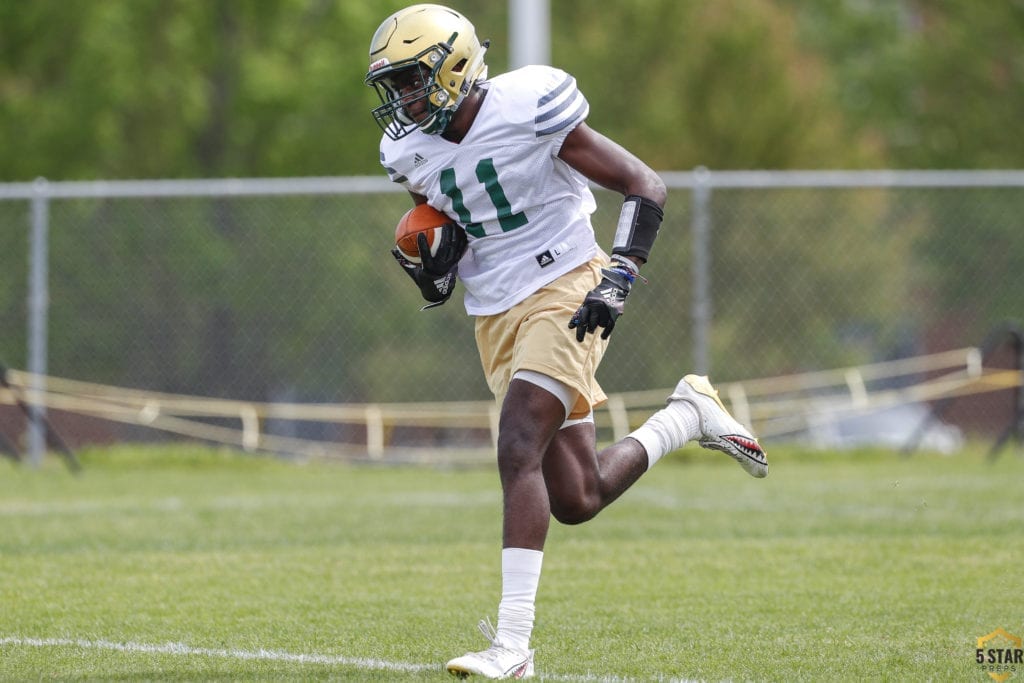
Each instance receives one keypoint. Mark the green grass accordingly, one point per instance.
(185, 564)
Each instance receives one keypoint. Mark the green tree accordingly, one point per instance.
(158, 88)
(940, 84)
(185, 89)
(726, 84)
(936, 84)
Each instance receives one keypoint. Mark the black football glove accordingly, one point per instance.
(449, 250)
(603, 305)
(436, 290)
(435, 276)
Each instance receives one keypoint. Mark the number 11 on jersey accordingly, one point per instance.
(488, 176)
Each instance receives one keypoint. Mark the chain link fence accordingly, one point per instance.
(284, 290)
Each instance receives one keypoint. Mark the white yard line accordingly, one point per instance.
(180, 649)
(366, 663)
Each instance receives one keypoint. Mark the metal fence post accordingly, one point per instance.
(529, 32)
(701, 262)
(38, 306)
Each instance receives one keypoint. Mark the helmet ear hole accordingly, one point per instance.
(459, 67)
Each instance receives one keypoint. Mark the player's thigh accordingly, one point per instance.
(529, 421)
(571, 472)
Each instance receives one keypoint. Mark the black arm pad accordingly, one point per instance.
(638, 226)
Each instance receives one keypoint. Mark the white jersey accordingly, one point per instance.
(525, 211)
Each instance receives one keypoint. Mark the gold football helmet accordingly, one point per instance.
(424, 60)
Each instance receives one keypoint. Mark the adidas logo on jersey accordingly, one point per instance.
(545, 259)
(418, 160)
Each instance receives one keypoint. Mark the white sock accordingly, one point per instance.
(667, 430)
(520, 575)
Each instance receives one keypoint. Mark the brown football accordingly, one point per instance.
(420, 218)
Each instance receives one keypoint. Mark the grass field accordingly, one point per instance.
(184, 563)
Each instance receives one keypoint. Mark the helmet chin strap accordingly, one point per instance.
(437, 122)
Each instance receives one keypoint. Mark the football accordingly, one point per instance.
(421, 218)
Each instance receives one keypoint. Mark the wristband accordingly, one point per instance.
(622, 265)
(627, 267)
(623, 262)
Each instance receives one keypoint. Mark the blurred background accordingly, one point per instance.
(249, 88)
(285, 291)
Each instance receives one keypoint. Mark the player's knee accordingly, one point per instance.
(518, 451)
(577, 510)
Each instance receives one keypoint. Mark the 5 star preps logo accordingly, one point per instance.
(999, 654)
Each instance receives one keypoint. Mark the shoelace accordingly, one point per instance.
(490, 633)
(497, 648)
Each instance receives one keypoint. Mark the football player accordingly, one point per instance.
(510, 158)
